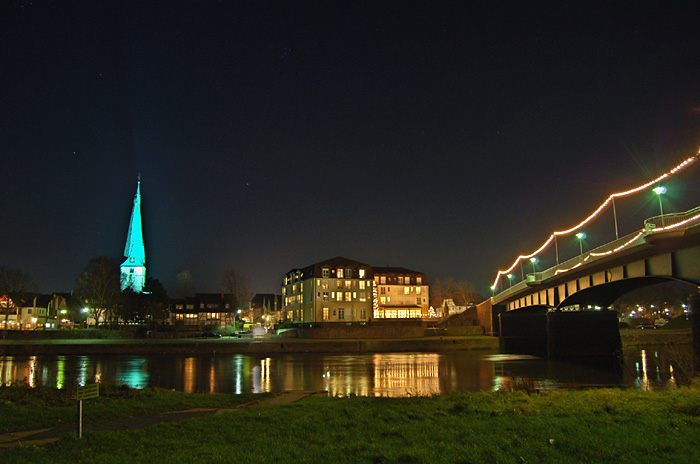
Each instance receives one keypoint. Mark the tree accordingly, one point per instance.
(237, 286)
(157, 301)
(15, 287)
(99, 286)
(185, 285)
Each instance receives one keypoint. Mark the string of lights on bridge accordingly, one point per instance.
(596, 213)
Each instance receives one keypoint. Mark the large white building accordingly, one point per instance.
(337, 290)
(400, 293)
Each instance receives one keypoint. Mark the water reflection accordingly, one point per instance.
(381, 374)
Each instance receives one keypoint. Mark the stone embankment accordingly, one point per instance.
(230, 345)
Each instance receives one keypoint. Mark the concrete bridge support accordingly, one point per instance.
(583, 333)
(524, 331)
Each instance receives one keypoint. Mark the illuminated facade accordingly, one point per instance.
(400, 294)
(133, 270)
(204, 310)
(338, 290)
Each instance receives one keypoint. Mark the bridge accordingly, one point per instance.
(564, 310)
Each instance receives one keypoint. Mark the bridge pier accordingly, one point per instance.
(583, 333)
(524, 331)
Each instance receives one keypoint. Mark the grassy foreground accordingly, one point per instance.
(560, 426)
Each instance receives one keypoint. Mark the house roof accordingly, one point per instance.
(314, 270)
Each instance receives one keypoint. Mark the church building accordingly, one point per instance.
(133, 270)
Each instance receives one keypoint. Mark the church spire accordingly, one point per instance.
(133, 270)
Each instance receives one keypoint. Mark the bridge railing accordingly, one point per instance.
(692, 217)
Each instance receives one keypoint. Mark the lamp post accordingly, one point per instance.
(493, 290)
(510, 280)
(234, 320)
(660, 191)
(534, 260)
(580, 236)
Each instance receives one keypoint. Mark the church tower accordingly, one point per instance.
(134, 268)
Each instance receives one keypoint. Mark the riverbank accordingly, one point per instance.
(277, 345)
(564, 426)
(233, 345)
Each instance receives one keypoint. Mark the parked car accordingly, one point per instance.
(646, 326)
(208, 335)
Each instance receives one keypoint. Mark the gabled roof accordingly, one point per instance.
(314, 270)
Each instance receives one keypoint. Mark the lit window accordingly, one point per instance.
(419, 280)
(382, 280)
(339, 296)
(340, 273)
(324, 285)
(406, 290)
(400, 280)
(325, 296)
(325, 314)
(418, 290)
(348, 296)
(362, 285)
(348, 284)
(382, 299)
(318, 282)
(339, 284)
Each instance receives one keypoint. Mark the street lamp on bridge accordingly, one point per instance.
(580, 236)
(660, 190)
(534, 260)
(510, 280)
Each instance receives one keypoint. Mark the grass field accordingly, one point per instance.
(560, 426)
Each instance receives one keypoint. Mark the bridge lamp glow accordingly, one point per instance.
(660, 190)
(580, 236)
(510, 280)
(493, 290)
(534, 261)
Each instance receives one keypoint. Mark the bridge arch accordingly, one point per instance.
(604, 295)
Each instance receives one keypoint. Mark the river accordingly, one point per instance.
(379, 374)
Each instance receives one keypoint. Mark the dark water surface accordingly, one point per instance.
(380, 374)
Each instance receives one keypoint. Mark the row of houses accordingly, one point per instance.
(35, 311)
(338, 290)
(334, 291)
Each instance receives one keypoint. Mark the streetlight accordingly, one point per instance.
(510, 280)
(234, 320)
(580, 236)
(660, 191)
(493, 290)
(534, 260)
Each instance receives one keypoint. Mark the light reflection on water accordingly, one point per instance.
(379, 374)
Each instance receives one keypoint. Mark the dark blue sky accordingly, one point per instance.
(446, 138)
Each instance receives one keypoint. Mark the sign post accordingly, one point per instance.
(85, 392)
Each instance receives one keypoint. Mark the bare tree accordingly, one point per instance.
(237, 285)
(99, 286)
(15, 286)
(185, 285)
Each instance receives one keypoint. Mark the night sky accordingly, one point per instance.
(447, 137)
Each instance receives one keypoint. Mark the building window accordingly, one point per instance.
(325, 314)
(419, 280)
(363, 313)
(382, 290)
(340, 273)
(406, 290)
(361, 274)
(400, 280)
(418, 290)
(324, 285)
(348, 273)
(341, 314)
(348, 296)
(362, 285)
(325, 273)
(382, 299)
(339, 284)
(325, 296)
(418, 300)
(339, 296)
(382, 280)
(348, 284)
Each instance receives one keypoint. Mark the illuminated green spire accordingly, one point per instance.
(134, 268)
